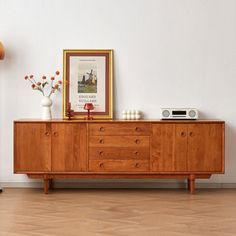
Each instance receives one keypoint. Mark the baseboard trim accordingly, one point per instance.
(115, 184)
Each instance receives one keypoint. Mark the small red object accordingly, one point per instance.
(88, 107)
(69, 112)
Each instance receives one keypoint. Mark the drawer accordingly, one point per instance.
(118, 153)
(120, 129)
(119, 141)
(118, 165)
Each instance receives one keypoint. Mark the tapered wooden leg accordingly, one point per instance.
(51, 184)
(191, 184)
(46, 185)
(188, 185)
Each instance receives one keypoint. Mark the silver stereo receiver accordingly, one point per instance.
(179, 113)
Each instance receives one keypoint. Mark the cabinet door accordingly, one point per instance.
(69, 145)
(169, 148)
(205, 147)
(32, 147)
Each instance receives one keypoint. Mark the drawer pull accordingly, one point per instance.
(191, 134)
(137, 129)
(102, 129)
(101, 153)
(101, 165)
(137, 165)
(55, 134)
(137, 141)
(136, 153)
(47, 133)
(183, 134)
(101, 141)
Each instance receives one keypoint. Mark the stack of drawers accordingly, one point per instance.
(119, 147)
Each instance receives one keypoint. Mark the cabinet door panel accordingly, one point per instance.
(205, 147)
(169, 148)
(32, 147)
(69, 145)
(181, 148)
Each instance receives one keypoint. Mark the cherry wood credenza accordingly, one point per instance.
(145, 149)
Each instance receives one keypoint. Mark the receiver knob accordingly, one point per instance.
(166, 113)
(192, 113)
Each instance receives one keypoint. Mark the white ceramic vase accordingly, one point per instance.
(46, 104)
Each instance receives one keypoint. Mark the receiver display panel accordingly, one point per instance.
(179, 113)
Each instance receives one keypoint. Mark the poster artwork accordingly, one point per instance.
(87, 78)
(87, 81)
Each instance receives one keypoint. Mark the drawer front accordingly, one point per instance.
(118, 153)
(120, 129)
(118, 165)
(119, 141)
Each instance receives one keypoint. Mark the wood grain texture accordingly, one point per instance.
(118, 212)
(118, 165)
(162, 146)
(119, 149)
(32, 147)
(188, 147)
(119, 141)
(133, 128)
(46, 185)
(169, 148)
(180, 153)
(122, 153)
(117, 175)
(191, 183)
(69, 147)
(205, 147)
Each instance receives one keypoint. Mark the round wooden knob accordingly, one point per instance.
(101, 165)
(137, 165)
(137, 129)
(102, 129)
(191, 134)
(137, 141)
(100, 153)
(47, 133)
(101, 141)
(55, 134)
(136, 153)
(183, 134)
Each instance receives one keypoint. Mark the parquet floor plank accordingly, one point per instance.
(118, 212)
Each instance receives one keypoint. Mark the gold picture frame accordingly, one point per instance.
(88, 78)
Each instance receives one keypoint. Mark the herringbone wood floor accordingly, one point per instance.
(117, 212)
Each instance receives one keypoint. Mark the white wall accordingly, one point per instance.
(167, 53)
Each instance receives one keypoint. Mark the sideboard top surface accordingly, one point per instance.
(116, 121)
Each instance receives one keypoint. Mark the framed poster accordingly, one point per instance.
(87, 78)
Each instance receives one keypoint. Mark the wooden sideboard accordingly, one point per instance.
(145, 149)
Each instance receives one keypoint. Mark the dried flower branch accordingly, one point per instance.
(41, 85)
